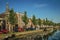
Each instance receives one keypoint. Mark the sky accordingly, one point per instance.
(40, 8)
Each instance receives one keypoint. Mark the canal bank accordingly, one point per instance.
(32, 35)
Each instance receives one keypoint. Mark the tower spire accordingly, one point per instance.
(7, 7)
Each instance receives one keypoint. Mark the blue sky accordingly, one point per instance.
(40, 8)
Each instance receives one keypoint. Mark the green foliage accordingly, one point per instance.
(25, 18)
(39, 21)
(58, 24)
(44, 22)
(48, 22)
(12, 18)
(34, 20)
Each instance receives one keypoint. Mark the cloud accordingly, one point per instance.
(40, 5)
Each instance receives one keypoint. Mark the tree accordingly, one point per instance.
(44, 22)
(34, 20)
(51, 23)
(58, 24)
(47, 21)
(39, 21)
(25, 18)
(12, 18)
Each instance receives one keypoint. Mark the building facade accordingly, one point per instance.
(4, 22)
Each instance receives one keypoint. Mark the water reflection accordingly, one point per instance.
(55, 36)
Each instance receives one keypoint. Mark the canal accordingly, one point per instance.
(54, 36)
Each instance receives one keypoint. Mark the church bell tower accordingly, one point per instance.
(7, 8)
(7, 17)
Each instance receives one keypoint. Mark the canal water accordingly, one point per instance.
(55, 36)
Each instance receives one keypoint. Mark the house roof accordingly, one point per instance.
(2, 15)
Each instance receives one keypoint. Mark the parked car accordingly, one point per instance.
(20, 29)
(0, 32)
(27, 29)
(4, 31)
